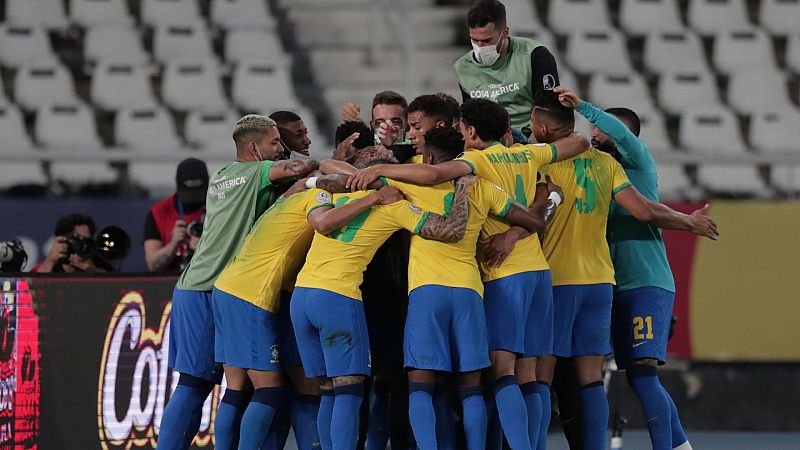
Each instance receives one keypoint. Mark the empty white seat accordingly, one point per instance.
(211, 129)
(230, 14)
(711, 130)
(18, 172)
(793, 52)
(45, 13)
(92, 13)
(654, 132)
(628, 91)
(780, 17)
(748, 92)
(254, 45)
(775, 130)
(67, 126)
(259, 86)
(566, 16)
(41, 83)
(188, 86)
(185, 42)
(21, 44)
(120, 85)
(785, 177)
(146, 129)
(12, 131)
(521, 17)
(159, 177)
(685, 89)
(166, 12)
(673, 183)
(114, 44)
(731, 179)
(742, 49)
(645, 16)
(598, 51)
(568, 79)
(711, 16)
(668, 50)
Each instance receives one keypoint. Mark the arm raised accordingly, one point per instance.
(662, 216)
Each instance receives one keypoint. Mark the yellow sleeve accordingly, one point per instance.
(499, 200)
(317, 198)
(473, 159)
(542, 154)
(620, 180)
(407, 215)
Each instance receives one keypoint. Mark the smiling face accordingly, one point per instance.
(295, 136)
(419, 124)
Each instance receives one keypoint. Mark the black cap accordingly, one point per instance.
(192, 181)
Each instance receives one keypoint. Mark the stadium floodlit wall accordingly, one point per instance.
(83, 360)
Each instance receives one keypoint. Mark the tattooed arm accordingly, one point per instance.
(289, 170)
(453, 227)
(337, 183)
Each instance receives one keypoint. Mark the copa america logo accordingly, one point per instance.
(134, 377)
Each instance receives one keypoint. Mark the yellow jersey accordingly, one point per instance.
(440, 263)
(416, 159)
(575, 240)
(273, 251)
(514, 169)
(336, 262)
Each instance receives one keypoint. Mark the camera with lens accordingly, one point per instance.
(110, 245)
(195, 229)
(79, 245)
(12, 256)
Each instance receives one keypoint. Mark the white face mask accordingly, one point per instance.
(489, 54)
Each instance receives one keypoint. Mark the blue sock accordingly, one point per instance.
(229, 419)
(445, 427)
(494, 434)
(422, 415)
(305, 409)
(595, 416)
(180, 421)
(281, 423)
(512, 411)
(258, 416)
(678, 435)
(324, 418)
(475, 417)
(644, 382)
(345, 418)
(544, 396)
(378, 428)
(533, 403)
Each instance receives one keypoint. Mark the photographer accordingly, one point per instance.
(72, 232)
(174, 224)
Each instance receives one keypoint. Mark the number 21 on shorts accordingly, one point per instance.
(639, 324)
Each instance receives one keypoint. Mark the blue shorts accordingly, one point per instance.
(191, 335)
(445, 330)
(290, 356)
(640, 320)
(331, 333)
(582, 319)
(246, 335)
(519, 313)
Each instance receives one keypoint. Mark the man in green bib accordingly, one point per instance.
(507, 70)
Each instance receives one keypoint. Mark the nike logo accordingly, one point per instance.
(639, 343)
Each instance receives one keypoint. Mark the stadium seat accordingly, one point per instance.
(775, 130)
(793, 52)
(673, 184)
(742, 49)
(566, 78)
(254, 45)
(45, 13)
(711, 16)
(12, 131)
(686, 89)
(785, 177)
(114, 44)
(233, 14)
(187, 42)
(629, 91)
(258, 86)
(521, 17)
(38, 84)
(211, 129)
(711, 130)
(757, 89)
(156, 13)
(22, 44)
(542, 36)
(569, 16)
(598, 51)
(639, 17)
(92, 13)
(146, 129)
(780, 17)
(187, 86)
(17, 173)
(654, 133)
(120, 85)
(729, 179)
(67, 126)
(664, 50)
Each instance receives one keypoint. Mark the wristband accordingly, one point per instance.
(311, 183)
(555, 197)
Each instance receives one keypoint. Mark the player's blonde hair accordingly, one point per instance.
(251, 127)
